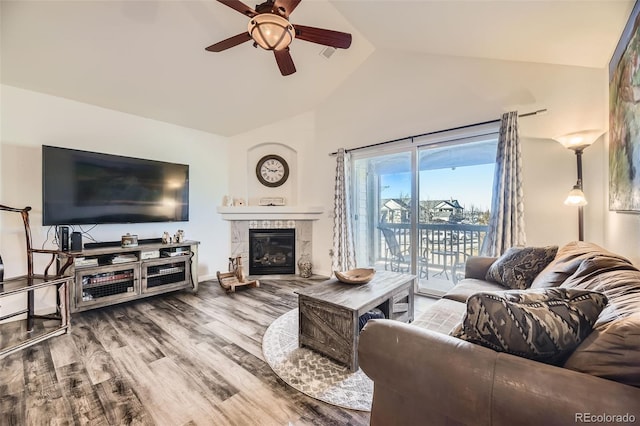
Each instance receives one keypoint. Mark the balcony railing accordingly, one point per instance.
(441, 246)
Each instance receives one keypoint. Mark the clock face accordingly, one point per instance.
(272, 170)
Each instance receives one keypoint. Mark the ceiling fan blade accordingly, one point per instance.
(287, 6)
(321, 36)
(240, 7)
(229, 43)
(285, 61)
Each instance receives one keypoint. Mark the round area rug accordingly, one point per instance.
(311, 373)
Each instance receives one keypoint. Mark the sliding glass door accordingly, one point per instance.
(424, 209)
(455, 183)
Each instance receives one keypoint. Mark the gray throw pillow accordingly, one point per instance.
(545, 325)
(518, 266)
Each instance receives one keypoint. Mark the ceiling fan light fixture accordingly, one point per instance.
(271, 31)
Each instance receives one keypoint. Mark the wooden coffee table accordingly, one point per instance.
(329, 312)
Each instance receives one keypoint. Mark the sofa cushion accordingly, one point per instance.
(612, 352)
(617, 281)
(568, 260)
(518, 266)
(442, 316)
(468, 286)
(477, 266)
(543, 324)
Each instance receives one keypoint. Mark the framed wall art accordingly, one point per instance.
(624, 119)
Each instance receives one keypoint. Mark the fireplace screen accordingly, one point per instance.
(272, 251)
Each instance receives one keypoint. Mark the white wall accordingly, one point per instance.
(398, 94)
(392, 95)
(623, 234)
(292, 139)
(30, 119)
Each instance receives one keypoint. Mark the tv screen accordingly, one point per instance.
(82, 187)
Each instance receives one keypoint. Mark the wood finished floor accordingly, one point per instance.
(173, 359)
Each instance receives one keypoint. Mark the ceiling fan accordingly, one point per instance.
(270, 29)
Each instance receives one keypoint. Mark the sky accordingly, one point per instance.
(470, 185)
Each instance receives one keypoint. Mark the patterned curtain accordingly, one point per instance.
(343, 256)
(506, 224)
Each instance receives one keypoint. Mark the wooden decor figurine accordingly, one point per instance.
(235, 277)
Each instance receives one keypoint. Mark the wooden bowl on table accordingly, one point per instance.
(355, 276)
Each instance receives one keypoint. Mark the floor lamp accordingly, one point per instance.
(578, 141)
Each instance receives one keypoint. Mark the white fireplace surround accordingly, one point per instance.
(243, 218)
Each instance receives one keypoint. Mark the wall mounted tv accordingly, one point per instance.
(82, 187)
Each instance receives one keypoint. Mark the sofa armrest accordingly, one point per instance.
(477, 266)
(523, 389)
(419, 374)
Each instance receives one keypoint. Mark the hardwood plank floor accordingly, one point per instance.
(173, 359)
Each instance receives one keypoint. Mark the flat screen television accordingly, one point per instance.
(83, 187)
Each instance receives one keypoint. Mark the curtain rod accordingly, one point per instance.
(540, 111)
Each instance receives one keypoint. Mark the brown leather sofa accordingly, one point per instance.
(423, 376)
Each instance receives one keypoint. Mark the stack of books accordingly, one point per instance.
(178, 251)
(124, 258)
(83, 261)
(104, 278)
(171, 270)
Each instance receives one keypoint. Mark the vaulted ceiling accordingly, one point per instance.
(147, 57)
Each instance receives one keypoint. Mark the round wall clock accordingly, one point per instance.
(272, 170)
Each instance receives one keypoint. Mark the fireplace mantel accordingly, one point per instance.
(271, 212)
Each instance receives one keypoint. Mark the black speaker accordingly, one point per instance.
(63, 238)
(76, 241)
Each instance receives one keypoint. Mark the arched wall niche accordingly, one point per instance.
(288, 190)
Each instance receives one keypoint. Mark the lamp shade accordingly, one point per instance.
(579, 140)
(576, 197)
(271, 31)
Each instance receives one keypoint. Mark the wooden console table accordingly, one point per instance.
(114, 274)
(329, 312)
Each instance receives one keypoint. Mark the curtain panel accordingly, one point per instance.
(506, 224)
(343, 255)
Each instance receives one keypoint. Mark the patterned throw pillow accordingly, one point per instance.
(518, 266)
(541, 324)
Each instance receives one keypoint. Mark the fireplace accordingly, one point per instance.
(272, 251)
